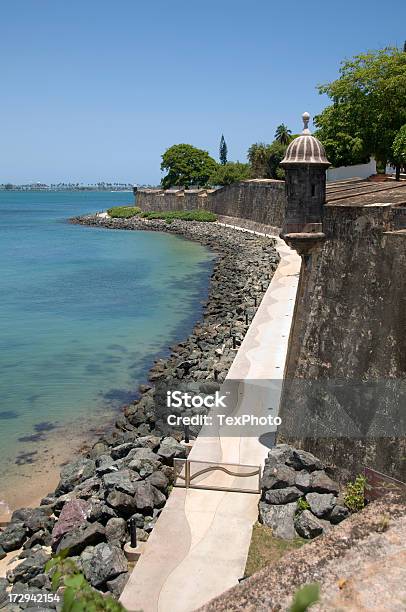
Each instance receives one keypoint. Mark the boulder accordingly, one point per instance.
(338, 514)
(80, 537)
(171, 449)
(116, 586)
(34, 518)
(158, 480)
(73, 514)
(282, 496)
(75, 473)
(279, 519)
(13, 536)
(279, 454)
(105, 464)
(122, 450)
(120, 481)
(99, 511)
(102, 563)
(4, 583)
(123, 504)
(307, 525)
(41, 581)
(278, 477)
(3, 553)
(30, 567)
(321, 483)
(41, 537)
(145, 466)
(116, 531)
(321, 504)
(302, 460)
(145, 496)
(302, 481)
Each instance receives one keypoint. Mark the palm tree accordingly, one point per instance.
(283, 134)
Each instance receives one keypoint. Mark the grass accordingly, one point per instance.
(126, 212)
(183, 215)
(123, 212)
(265, 549)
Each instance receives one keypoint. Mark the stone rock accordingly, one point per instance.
(151, 442)
(338, 514)
(13, 536)
(139, 519)
(75, 473)
(278, 477)
(41, 537)
(302, 480)
(279, 454)
(41, 581)
(142, 535)
(88, 488)
(122, 450)
(302, 460)
(73, 514)
(120, 481)
(321, 504)
(145, 466)
(171, 449)
(145, 496)
(123, 504)
(76, 540)
(34, 518)
(282, 496)
(102, 563)
(307, 525)
(4, 583)
(116, 531)
(105, 464)
(30, 567)
(158, 480)
(279, 519)
(141, 453)
(99, 511)
(116, 586)
(321, 483)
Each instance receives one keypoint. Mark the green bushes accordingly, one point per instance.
(123, 212)
(183, 215)
(354, 496)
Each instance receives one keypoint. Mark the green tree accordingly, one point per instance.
(398, 156)
(342, 148)
(186, 166)
(369, 100)
(283, 134)
(231, 172)
(265, 159)
(223, 151)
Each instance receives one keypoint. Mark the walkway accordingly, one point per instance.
(199, 546)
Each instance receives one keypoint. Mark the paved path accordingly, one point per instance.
(199, 546)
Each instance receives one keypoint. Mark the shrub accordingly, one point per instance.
(183, 215)
(305, 597)
(354, 495)
(78, 595)
(123, 212)
(301, 505)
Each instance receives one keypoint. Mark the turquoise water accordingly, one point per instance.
(84, 311)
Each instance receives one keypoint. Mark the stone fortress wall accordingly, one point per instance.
(258, 200)
(350, 316)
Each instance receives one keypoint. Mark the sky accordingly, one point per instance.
(98, 90)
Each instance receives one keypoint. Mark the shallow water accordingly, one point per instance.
(83, 311)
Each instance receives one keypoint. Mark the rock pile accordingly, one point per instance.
(298, 497)
(129, 471)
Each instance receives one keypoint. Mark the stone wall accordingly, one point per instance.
(261, 201)
(349, 328)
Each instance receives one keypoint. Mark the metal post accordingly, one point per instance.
(186, 428)
(133, 532)
(255, 300)
(234, 342)
(187, 473)
(246, 318)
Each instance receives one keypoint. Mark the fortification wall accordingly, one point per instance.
(261, 201)
(349, 328)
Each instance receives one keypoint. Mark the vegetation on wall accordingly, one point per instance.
(123, 212)
(368, 107)
(354, 495)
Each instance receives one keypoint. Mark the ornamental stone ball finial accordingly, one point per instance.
(306, 119)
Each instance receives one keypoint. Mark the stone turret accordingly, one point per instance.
(305, 165)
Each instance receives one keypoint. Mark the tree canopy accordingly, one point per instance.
(369, 107)
(398, 157)
(186, 166)
(265, 159)
(223, 151)
(283, 134)
(231, 172)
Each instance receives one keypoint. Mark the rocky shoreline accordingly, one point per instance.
(129, 471)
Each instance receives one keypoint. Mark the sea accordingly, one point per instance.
(83, 313)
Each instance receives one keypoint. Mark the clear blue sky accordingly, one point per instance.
(97, 90)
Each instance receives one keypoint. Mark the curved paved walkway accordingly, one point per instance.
(199, 546)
